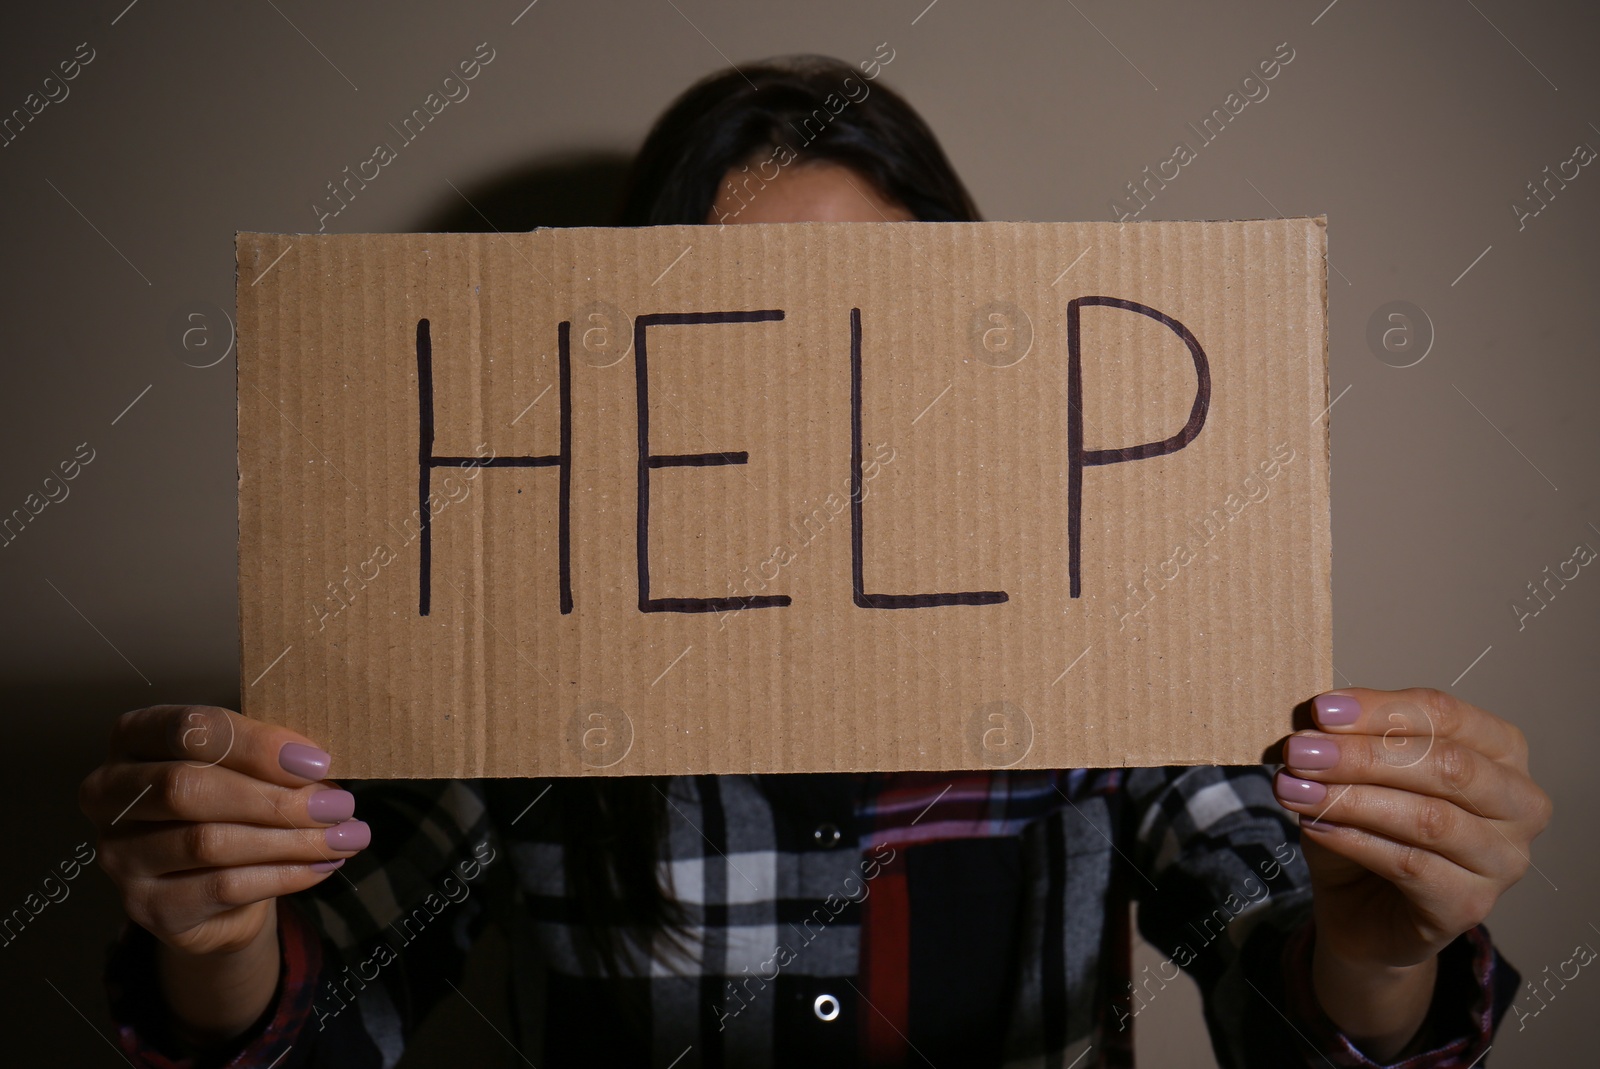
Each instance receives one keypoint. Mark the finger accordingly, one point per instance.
(178, 790)
(178, 902)
(1418, 821)
(206, 736)
(165, 848)
(1420, 712)
(1435, 767)
(1444, 889)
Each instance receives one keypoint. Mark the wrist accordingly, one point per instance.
(215, 996)
(1341, 957)
(1379, 1006)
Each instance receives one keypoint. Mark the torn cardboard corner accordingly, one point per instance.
(815, 497)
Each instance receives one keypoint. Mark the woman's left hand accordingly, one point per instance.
(1417, 813)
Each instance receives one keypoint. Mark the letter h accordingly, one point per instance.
(427, 461)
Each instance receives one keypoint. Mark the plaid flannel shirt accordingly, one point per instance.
(953, 918)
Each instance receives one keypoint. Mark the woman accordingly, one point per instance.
(962, 918)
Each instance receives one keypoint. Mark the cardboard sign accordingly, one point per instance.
(816, 497)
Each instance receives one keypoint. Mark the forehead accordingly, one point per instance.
(821, 192)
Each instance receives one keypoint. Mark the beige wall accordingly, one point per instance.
(1412, 126)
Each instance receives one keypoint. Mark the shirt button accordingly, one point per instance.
(827, 837)
(826, 1007)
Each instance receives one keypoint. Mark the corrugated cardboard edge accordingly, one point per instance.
(238, 471)
(1327, 432)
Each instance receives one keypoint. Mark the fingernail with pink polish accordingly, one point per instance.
(1292, 789)
(304, 761)
(326, 866)
(332, 806)
(1311, 754)
(351, 835)
(1336, 710)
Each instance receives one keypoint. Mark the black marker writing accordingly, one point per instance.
(426, 462)
(648, 460)
(1078, 458)
(857, 536)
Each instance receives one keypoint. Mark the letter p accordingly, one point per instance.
(1079, 458)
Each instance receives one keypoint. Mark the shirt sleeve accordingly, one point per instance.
(1224, 892)
(1474, 988)
(364, 956)
(143, 1027)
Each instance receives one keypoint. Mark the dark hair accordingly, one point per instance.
(817, 109)
(794, 108)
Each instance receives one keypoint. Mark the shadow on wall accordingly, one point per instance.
(58, 928)
(58, 728)
(579, 189)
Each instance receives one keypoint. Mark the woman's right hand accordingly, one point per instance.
(206, 817)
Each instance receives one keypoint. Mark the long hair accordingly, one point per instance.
(788, 111)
